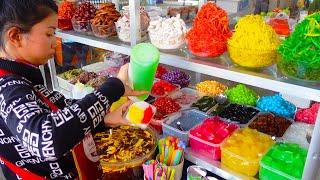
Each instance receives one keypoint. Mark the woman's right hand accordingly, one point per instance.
(123, 76)
(115, 118)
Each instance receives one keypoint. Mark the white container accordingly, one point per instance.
(297, 133)
(80, 90)
(95, 67)
(233, 6)
(65, 84)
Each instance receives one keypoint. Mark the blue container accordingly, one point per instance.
(188, 120)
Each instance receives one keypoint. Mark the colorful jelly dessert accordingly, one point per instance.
(270, 124)
(162, 88)
(283, 161)
(241, 94)
(239, 113)
(277, 105)
(242, 151)
(140, 113)
(308, 115)
(207, 137)
(204, 104)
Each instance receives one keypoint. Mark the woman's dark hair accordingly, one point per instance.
(23, 14)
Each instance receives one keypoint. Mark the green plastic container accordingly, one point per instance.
(284, 161)
(143, 66)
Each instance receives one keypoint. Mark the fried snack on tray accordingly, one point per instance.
(103, 22)
(71, 74)
(122, 144)
(84, 77)
(97, 82)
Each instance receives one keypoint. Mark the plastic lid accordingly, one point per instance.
(145, 53)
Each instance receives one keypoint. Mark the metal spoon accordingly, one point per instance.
(308, 137)
(221, 99)
(179, 126)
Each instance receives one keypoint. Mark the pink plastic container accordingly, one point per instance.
(206, 138)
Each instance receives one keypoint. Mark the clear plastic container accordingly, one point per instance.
(114, 59)
(284, 161)
(185, 97)
(219, 131)
(251, 58)
(270, 124)
(240, 114)
(242, 151)
(166, 93)
(81, 26)
(297, 133)
(188, 119)
(299, 71)
(165, 44)
(274, 173)
(204, 104)
(130, 169)
(104, 31)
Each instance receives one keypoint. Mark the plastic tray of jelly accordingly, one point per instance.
(240, 114)
(242, 151)
(270, 124)
(165, 92)
(204, 104)
(283, 161)
(185, 97)
(207, 137)
(297, 133)
(188, 120)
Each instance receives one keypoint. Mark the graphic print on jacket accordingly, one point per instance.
(34, 137)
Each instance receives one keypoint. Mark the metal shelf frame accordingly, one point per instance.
(216, 69)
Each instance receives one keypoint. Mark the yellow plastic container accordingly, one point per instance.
(242, 151)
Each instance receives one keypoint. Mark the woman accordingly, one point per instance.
(38, 127)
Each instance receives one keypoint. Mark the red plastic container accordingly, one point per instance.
(206, 138)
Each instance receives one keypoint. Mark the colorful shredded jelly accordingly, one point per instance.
(210, 32)
(254, 43)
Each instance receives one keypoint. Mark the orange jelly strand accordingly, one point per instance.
(210, 32)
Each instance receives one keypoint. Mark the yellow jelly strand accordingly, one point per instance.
(254, 34)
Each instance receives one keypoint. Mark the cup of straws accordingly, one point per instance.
(169, 163)
(153, 170)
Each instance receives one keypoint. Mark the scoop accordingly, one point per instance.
(221, 99)
(179, 126)
(308, 137)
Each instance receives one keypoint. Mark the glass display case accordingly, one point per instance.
(103, 56)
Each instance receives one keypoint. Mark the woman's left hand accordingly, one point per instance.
(115, 118)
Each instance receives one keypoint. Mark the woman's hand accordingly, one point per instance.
(115, 118)
(123, 76)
